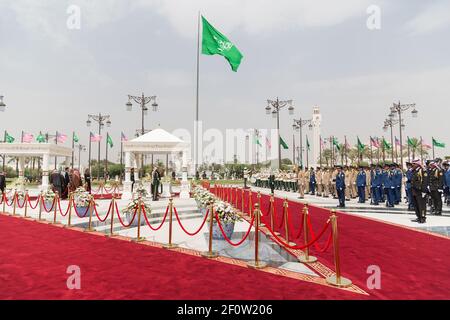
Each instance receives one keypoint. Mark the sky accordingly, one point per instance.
(351, 58)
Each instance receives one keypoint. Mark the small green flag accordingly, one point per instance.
(40, 138)
(411, 143)
(213, 42)
(8, 138)
(256, 141)
(283, 144)
(75, 138)
(386, 145)
(361, 146)
(109, 141)
(336, 144)
(438, 144)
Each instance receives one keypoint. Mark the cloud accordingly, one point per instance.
(435, 17)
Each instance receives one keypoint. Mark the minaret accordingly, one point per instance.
(315, 142)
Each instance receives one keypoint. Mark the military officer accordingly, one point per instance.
(301, 183)
(436, 187)
(398, 181)
(361, 180)
(312, 181)
(326, 182)
(419, 187)
(340, 186)
(409, 174)
(306, 176)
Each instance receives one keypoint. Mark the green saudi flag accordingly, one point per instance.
(336, 144)
(361, 146)
(256, 141)
(386, 145)
(9, 138)
(283, 144)
(40, 138)
(438, 144)
(109, 141)
(411, 143)
(213, 42)
(75, 138)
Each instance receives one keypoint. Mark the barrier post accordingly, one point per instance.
(272, 213)
(40, 208)
(69, 218)
(256, 264)
(242, 201)
(250, 203)
(4, 201)
(170, 245)
(14, 204)
(336, 279)
(210, 253)
(27, 197)
(286, 222)
(258, 197)
(91, 204)
(113, 208)
(306, 258)
(138, 236)
(55, 208)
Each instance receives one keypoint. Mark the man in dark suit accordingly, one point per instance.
(2, 182)
(340, 186)
(65, 186)
(156, 177)
(56, 179)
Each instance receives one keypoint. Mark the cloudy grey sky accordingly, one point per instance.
(314, 52)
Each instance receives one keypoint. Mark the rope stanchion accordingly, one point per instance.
(69, 218)
(250, 203)
(26, 199)
(111, 228)
(306, 258)
(120, 219)
(228, 239)
(210, 253)
(162, 222)
(40, 208)
(55, 208)
(89, 227)
(184, 229)
(258, 197)
(286, 222)
(170, 245)
(14, 204)
(138, 231)
(272, 214)
(336, 279)
(256, 264)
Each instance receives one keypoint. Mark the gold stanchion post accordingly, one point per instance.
(272, 213)
(26, 198)
(111, 231)
(170, 245)
(89, 228)
(210, 253)
(258, 197)
(15, 197)
(69, 218)
(250, 204)
(138, 236)
(306, 258)
(286, 222)
(336, 279)
(40, 207)
(55, 208)
(256, 264)
(4, 202)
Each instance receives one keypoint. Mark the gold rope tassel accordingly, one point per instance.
(210, 253)
(170, 245)
(336, 279)
(306, 258)
(256, 264)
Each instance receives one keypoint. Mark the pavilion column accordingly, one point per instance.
(127, 194)
(45, 163)
(21, 167)
(136, 166)
(185, 188)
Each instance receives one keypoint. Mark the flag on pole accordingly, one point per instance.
(386, 145)
(214, 42)
(374, 142)
(411, 143)
(438, 144)
(75, 138)
(308, 147)
(336, 144)
(95, 137)
(256, 141)
(361, 146)
(268, 144)
(40, 138)
(109, 141)
(123, 138)
(61, 137)
(27, 137)
(283, 144)
(397, 142)
(9, 138)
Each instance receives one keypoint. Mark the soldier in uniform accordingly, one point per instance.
(312, 181)
(436, 187)
(306, 176)
(419, 186)
(409, 174)
(398, 181)
(361, 181)
(368, 193)
(319, 182)
(347, 183)
(271, 181)
(326, 180)
(301, 183)
(446, 166)
(340, 186)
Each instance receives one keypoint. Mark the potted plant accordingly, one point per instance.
(132, 207)
(82, 200)
(140, 191)
(227, 216)
(20, 197)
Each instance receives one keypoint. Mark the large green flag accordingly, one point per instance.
(438, 144)
(40, 138)
(361, 146)
(283, 144)
(336, 144)
(8, 138)
(75, 138)
(109, 141)
(386, 145)
(213, 42)
(411, 143)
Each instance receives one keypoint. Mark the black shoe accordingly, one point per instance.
(423, 221)
(416, 220)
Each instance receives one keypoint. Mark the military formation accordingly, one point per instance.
(420, 185)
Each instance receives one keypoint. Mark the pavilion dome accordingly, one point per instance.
(158, 136)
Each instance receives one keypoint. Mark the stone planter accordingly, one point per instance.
(129, 216)
(228, 228)
(48, 205)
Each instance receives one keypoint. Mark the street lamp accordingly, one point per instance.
(396, 110)
(100, 119)
(276, 106)
(2, 104)
(298, 125)
(142, 101)
(389, 123)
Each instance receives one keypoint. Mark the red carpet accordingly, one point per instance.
(35, 256)
(414, 265)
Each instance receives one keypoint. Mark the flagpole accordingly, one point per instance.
(56, 142)
(345, 150)
(121, 155)
(307, 161)
(432, 144)
(293, 149)
(106, 156)
(89, 160)
(371, 151)
(320, 151)
(4, 156)
(197, 98)
(73, 146)
(332, 150)
(409, 152)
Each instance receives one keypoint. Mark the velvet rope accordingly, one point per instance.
(281, 241)
(120, 219)
(60, 210)
(77, 213)
(229, 240)
(107, 214)
(37, 202)
(45, 208)
(182, 227)
(23, 203)
(148, 223)
(316, 245)
(12, 201)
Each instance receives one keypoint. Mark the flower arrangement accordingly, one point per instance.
(141, 191)
(82, 197)
(48, 195)
(20, 194)
(226, 212)
(203, 196)
(133, 205)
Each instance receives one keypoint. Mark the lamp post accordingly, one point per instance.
(101, 119)
(257, 142)
(2, 104)
(396, 110)
(273, 107)
(298, 125)
(142, 101)
(390, 123)
(80, 148)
